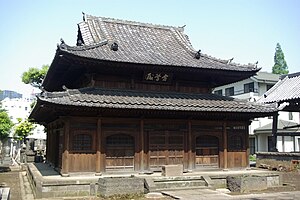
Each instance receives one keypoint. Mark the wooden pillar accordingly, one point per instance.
(225, 158)
(247, 145)
(142, 145)
(49, 131)
(98, 148)
(191, 160)
(274, 132)
(65, 155)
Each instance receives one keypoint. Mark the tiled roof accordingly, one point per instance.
(142, 43)
(281, 125)
(284, 90)
(130, 99)
(266, 77)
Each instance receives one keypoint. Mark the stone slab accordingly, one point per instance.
(172, 170)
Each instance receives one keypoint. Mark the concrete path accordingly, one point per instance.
(207, 194)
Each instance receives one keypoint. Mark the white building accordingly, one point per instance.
(20, 108)
(252, 89)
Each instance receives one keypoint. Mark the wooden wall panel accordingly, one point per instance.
(237, 159)
(82, 162)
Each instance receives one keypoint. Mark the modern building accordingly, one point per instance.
(137, 96)
(286, 95)
(260, 130)
(9, 94)
(19, 109)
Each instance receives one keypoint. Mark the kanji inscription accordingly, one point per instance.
(158, 77)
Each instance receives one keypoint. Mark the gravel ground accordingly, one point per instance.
(11, 179)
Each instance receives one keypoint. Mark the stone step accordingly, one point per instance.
(158, 184)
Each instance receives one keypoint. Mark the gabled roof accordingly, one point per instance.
(145, 100)
(265, 77)
(142, 43)
(122, 45)
(281, 125)
(286, 89)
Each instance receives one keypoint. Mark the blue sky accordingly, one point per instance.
(245, 30)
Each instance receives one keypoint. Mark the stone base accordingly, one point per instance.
(110, 186)
(244, 184)
(172, 170)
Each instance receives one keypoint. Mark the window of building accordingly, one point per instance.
(229, 91)
(25, 108)
(252, 145)
(291, 116)
(270, 143)
(235, 143)
(120, 140)
(82, 142)
(249, 87)
(218, 92)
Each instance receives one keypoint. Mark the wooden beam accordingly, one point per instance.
(98, 148)
(142, 145)
(225, 145)
(247, 145)
(190, 154)
(65, 155)
(274, 132)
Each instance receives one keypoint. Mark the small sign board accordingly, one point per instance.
(158, 77)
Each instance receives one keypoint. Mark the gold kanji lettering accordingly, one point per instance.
(165, 77)
(149, 77)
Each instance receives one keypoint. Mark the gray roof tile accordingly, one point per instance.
(130, 99)
(284, 90)
(143, 43)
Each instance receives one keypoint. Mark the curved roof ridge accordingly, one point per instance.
(227, 62)
(134, 23)
(64, 46)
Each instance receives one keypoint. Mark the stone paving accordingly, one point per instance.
(195, 194)
(207, 194)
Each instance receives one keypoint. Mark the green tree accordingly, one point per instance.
(24, 128)
(5, 125)
(280, 66)
(35, 76)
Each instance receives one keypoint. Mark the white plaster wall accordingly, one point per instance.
(288, 144)
(262, 142)
(20, 108)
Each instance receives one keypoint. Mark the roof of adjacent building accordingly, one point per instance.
(145, 100)
(142, 43)
(281, 127)
(286, 89)
(265, 77)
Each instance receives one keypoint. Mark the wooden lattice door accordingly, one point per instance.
(120, 152)
(165, 148)
(207, 151)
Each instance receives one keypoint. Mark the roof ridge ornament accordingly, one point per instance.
(114, 46)
(83, 16)
(198, 54)
(256, 64)
(230, 60)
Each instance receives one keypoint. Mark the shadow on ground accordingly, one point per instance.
(45, 170)
(4, 169)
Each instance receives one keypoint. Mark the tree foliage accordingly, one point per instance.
(280, 66)
(5, 125)
(24, 128)
(35, 76)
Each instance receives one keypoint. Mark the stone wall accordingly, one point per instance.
(280, 161)
(63, 187)
(110, 186)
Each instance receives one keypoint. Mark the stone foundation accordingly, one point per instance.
(110, 186)
(279, 161)
(248, 183)
(172, 170)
